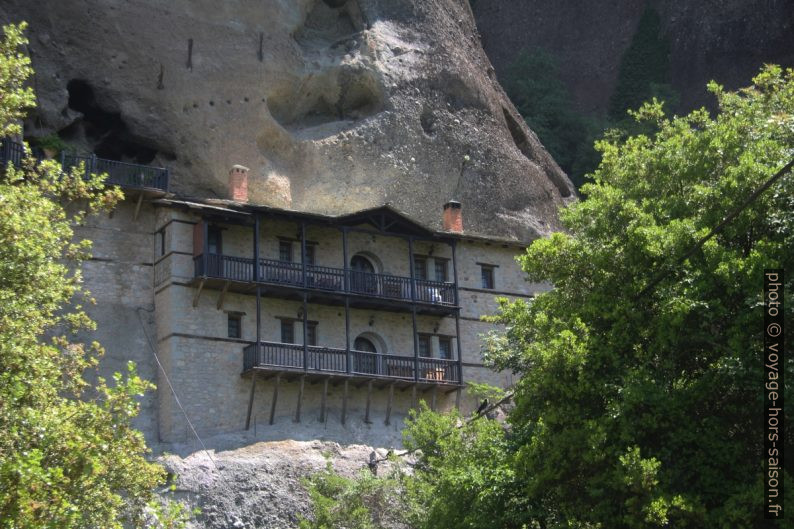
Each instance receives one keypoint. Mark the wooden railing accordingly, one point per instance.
(119, 173)
(325, 278)
(290, 357)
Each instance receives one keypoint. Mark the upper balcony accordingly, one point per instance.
(126, 175)
(326, 283)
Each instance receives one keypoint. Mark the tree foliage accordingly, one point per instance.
(637, 408)
(644, 70)
(533, 84)
(69, 457)
(644, 410)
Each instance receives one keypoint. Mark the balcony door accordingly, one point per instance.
(366, 360)
(362, 275)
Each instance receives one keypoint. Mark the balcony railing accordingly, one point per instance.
(326, 360)
(119, 173)
(325, 278)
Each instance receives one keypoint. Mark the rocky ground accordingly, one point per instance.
(259, 485)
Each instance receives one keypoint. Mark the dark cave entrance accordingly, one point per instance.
(107, 131)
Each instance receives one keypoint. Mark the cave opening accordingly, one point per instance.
(106, 130)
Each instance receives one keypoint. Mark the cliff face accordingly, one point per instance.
(344, 103)
(727, 40)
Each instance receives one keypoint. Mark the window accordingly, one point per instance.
(285, 251)
(487, 276)
(311, 333)
(445, 347)
(424, 345)
(235, 328)
(310, 254)
(161, 243)
(420, 268)
(287, 331)
(440, 266)
(214, 240)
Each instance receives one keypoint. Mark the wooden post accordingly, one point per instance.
(416, 344)
(457, 398)
(300, 399)
(256, 249)
(344, 402)
(346, 265)
(305, 332)
(389, 403)
(206, 246)
(275, 398)
(457, 317)
(322, 402)
(433, 395)
(303, 254)
(251, 399)
(369, 401)
(414, 404)
(348, 356)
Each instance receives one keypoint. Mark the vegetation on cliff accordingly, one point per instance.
(534, 85)
(639, 404)
(68, 455)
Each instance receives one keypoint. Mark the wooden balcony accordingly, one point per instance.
(366, 289)
(326, 362)
(128, 175)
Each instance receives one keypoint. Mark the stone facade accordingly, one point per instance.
(143, 276)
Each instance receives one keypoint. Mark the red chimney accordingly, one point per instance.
(453, 217)
(238, 183)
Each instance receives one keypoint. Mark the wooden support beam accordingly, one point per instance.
(389, 403)
(323, 401)
(137, 207)
(433, 395)
(300, 399)
(197, 295)
(457, 398)
(250, 400)
(344, 403)
(369, 401)
(222, 295)
(275, 398)
(414, 404)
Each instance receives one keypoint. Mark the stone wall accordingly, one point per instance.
(206, 364)
(141, 278)
(120, 278)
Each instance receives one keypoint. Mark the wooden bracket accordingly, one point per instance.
(251, 399)
(322, 402)
(222, 295)
(389, 403)
(300, 399)
(138, 207)
(197, 295)
(344, 402)
(275, 398)
(369, 401)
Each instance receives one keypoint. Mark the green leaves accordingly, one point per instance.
(69, 457)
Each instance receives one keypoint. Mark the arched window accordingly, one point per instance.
(362, 275)
(365, 356)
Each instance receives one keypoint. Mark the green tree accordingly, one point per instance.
(644, 69)
(533, 83)
(642, 408)
(69, 457)
(639, 404)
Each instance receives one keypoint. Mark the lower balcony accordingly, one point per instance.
(326, 362)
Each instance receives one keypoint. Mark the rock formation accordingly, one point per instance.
(341, 104)
(727, 41)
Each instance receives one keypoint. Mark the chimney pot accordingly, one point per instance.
(453, 217)
(238, 183)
